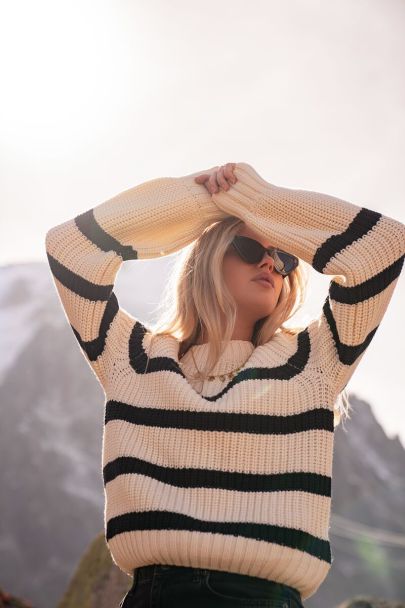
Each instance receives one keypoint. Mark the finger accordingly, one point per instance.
(204, 181)
(201, 179)
(228, 175)
(229, 172)
(212, 183)
(221, 179)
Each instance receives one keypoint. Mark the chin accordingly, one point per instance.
(266, 314)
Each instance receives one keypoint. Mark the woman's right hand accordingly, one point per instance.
(217, 178)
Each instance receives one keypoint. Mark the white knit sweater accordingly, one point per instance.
(236, 476)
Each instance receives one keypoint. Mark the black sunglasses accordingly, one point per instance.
(251, 251)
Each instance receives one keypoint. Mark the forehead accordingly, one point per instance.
(246, 231)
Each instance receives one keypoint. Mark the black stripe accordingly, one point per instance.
(294, 365)
(90, 228)
(261, 424)
(313, 483)
(80, 286)
(166, 520)
(364, 221)
(94, 348)
(138, 358)
(372, 287)
(347, 354)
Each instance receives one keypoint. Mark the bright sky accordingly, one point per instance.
(99, 96)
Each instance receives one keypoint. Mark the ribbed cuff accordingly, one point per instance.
(250, 188)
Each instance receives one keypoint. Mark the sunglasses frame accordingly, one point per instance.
(269, 250)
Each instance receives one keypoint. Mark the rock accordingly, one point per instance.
(97, 581)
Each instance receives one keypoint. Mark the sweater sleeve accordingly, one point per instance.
(362, 248)
(154, 218)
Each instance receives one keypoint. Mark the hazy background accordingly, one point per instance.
(99, 96)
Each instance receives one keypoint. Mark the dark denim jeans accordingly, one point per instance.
(159, 586)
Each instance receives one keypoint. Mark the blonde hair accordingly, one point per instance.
(197, 297)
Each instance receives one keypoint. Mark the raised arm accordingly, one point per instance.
(362, 248)
(154, 218)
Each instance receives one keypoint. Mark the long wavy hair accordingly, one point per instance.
(196, 298)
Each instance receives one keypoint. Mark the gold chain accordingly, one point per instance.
(222, 377)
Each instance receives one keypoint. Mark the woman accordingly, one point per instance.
(219, 421)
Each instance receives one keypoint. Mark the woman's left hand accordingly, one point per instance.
(218, 178)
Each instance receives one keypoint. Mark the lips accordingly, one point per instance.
(263, 282)
(264, 276)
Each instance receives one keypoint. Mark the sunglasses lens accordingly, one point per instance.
(251, 251)
(284, 262)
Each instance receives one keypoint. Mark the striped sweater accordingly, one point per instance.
(234, 475)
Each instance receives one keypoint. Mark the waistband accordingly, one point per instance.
(145, 572)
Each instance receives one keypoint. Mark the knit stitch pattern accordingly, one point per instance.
(235, 475)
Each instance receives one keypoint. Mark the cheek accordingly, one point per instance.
(279, 285)
(234, 275)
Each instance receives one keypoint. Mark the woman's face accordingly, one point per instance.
(254, 299)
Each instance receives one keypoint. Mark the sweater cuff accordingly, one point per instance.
(250, 187)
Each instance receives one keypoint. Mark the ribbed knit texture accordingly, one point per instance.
(234, 475)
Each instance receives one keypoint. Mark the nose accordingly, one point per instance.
(270, 260)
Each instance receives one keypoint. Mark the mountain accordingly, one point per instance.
(52, 493)
(367, 531)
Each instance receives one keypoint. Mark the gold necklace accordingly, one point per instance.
(222, 377)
